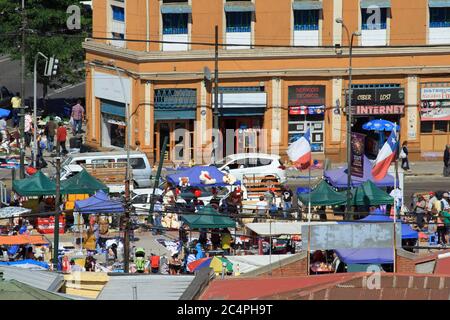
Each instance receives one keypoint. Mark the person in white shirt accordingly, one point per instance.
(397, 194)
(262, 207)
(445, 202)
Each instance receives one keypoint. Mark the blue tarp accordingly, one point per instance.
(194, 176)
(4, 113)
(99, 203)
(366, 256)
(407, 231)
(28, 261)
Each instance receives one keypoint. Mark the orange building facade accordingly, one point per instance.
(283, 68)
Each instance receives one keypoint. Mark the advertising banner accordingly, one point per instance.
(306, 96)
(357, 156)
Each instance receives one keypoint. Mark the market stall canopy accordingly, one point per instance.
(99, 203)
(37, 185)
(83, 183)
(338, 177)
(368, 194)
(11, 212)
(193, 176)
(26, 264)
(366, 256)
(280, 228)
(22, 239)
(323, 195)
(208, 218)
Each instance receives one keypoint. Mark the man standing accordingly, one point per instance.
(61, 136)
(4, 131)
(447, 161)
(77, 116)
(287, 201)
(16, 102)
(50, 131)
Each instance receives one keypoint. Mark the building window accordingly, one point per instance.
(299, 124)
(306, 20)
(175, 23)
(439, 17)
(118, 13)
(369, 23)
(239, 21)
(435, 126)
(118, 36)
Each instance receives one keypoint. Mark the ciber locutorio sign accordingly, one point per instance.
(306, 96)
(378, 101)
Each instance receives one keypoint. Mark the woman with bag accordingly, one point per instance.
(404, 156)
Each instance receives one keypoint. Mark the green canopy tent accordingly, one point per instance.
(368, 194)
(208, 218)
(83, 183)
(323, 195)
(37, 185)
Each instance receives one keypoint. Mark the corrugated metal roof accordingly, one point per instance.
(252, 262)
(44, 280)
(15, 290)
(145, 287)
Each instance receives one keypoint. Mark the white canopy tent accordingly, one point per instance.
(280, 228)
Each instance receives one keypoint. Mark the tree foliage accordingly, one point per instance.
(47, 32)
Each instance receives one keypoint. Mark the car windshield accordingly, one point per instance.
(222, 162)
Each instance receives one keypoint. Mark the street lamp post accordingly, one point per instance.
(349, 118)
(35, 146)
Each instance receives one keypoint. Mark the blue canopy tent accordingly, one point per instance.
(338, 177)
(366, 256)
(381, 125)
(4, 113)
(407, 231)
(194, 177)
(99, 203)
(28, 263)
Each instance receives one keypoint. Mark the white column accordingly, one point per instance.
(336, 117)
(276, 112)
(147, 113)
(337, 27)
(93, 106)
(411, 107)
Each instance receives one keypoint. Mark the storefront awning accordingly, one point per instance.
(113, 108)
(242, 104)
(307, 5)
(239, 6)
(176, 8)
(378, 3)
(171, 114)
(439, 3)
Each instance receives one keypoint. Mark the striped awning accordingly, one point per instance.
(176, 8)
(439, 3)
(239, 6)
(378, 3)
(307, 5)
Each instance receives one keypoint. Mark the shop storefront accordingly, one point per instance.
(307, 110)
(113, 123)
(386, 102)
(175, 113)
(241, 112)
(434, 117)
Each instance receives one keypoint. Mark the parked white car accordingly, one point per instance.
(253, 164)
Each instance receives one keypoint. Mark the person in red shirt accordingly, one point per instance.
(61, 136)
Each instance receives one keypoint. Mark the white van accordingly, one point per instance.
(142, 170)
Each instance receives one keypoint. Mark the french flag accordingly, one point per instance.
(299, 152)
(385, 157)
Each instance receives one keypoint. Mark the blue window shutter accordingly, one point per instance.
(306, 20)
(439, 17)
(118, 13)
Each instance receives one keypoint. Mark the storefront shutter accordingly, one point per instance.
(175, 104)
(439, 3)
(242, 104)
(113, 108)
(307, 5)
(378, 3)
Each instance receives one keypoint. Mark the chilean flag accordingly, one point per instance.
(385, 157)
(299, 152)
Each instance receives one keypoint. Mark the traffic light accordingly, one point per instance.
(52, 67)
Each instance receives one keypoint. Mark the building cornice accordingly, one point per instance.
(258, 53)
(292, 73)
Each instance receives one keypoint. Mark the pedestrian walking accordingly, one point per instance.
(404, 156)
(287, 201)
(16, 103)
(50, 132)
(4, 133)
(61, 136)
(28, 129)
(447, 161)
(77, 117)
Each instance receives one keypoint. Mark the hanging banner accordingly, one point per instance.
(357, 156)
(435, 110)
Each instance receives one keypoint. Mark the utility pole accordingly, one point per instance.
(216, 95)
(158, 175)
(22, 94)
(56, 227)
